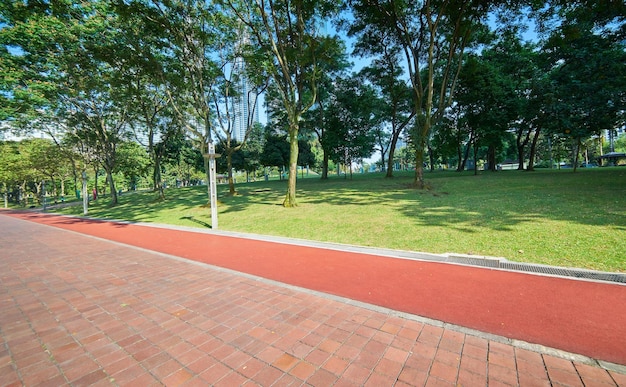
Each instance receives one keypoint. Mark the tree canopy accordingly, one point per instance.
(444, 79)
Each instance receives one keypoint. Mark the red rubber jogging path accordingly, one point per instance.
(583, 317)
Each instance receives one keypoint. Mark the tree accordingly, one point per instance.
(275, 151)
(433, 36)
(50, 161)
(385, 73)
(201, 41)
(517, 66)
(539, 110)
(69, 48)
(352, 121)
(147, 80)
(590, 77)
(25, 34)
(133, 163)
(237, 106)
(488, 99)
(251, 152)
(12, 169)
(29, 177)
(285, 38)
(452, 138)
(316, 120)
(30, 165)
(492, 98)
(306, 156)
(606, 18)
(583, 52)
(184, 162)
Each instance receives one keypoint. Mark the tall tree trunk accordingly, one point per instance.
(153, 154)
(491, 158)
(419, 168)
(109, 173)
(431, 158)
(577, 155)
(459, 153)
(24, 196)
(392, 151)
(231, 181)
(325, 165)
(475, 147)
(38, 193)
(156, 176)
(420, 145)
(290, 198)
(95, 173)
(424, 129)
(533, 151)
(466, 156)
(521, 147)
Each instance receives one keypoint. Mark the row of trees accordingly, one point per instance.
(450, 76)
(35, 168)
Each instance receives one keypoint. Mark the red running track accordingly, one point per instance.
(582, 317)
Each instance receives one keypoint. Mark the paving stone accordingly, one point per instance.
(79, 310)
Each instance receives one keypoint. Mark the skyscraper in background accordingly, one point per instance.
(245, 105)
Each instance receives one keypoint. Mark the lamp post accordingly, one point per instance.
(211, 155)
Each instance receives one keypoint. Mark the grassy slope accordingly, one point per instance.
(550, 217)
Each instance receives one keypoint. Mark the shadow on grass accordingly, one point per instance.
(464, 202)
(505, 200)
(497, 201)
(142, 207)
(196, 221)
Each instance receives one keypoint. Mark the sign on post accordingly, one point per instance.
(211, 155)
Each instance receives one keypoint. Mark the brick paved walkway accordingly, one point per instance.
(77, 310)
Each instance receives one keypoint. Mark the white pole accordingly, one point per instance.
(212, 186)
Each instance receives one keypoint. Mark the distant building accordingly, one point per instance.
(6, 134)
(245, 105)
(611, 136)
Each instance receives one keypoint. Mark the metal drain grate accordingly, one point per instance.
(587, 274)
(500, 263)
(475, 261)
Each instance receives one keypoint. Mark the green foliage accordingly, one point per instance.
(433, 36)
(288, 47)
(132, 162)
(91, 71)
(25, 164)
(70, 47)
(394, 104)
(351, 120)
(306, 157)
(491, 96)
(13, 168)
(252, 150)
(275, 150)
(590, 79)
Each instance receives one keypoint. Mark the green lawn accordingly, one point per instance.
(551, 217)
